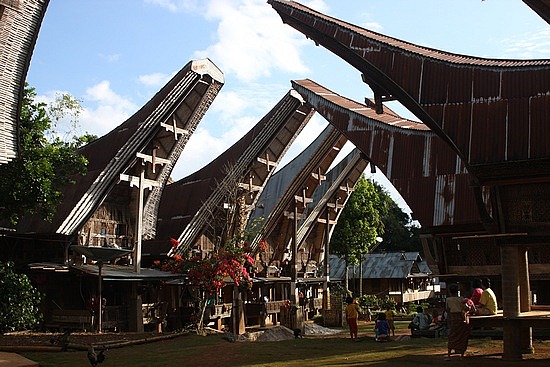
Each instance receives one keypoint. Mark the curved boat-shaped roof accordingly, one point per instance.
(427, 173)
(19, 25)
(489, 111)
(328, 201)
(294, 185)
(189, 206)
(160, 130)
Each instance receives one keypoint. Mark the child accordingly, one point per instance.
(389, 317)
(381, 328)
(352, 312)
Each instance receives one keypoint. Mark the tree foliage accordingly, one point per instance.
(19, 300)
(32, 183)
(400, 232)
(370, 213)
(359, 224)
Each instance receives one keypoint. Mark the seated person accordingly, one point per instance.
(381, 327)
(439, 324)
(488, 301)
(476, 292)
(421, 321)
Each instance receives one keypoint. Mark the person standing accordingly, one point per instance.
(352, 313)
(459, 327)
(389, 318)
(488, 301)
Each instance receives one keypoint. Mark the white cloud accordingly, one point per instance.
(201, 149)
(252, 41)
(253, 99)
(318, 5)
(107, 110)
(229, 104)
(528, 46)
(110, 57)
(373, 26)
(155, 79)
(175, 6)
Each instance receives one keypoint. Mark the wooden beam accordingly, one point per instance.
(176, 130)
(319, 176)
(269, 164)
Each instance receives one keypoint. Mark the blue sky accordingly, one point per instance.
(113, 55)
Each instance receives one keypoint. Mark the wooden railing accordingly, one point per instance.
(274, 306)
(223, 310)
(114, 317)
(154, 313)
(411, 296)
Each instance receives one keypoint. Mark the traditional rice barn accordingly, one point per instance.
(276, 255)
(116, 203)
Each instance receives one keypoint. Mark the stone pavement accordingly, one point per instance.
(15, 360)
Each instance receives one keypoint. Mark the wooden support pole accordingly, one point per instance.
(139, 224)
(510, 302)
(526, 333)
(100, 297)
(327, 263)
(294, 266)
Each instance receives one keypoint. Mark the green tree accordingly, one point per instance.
(400, 232)
(359, 224)
(19, 300)
(32, 183)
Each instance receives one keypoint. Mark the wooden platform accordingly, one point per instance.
(538, 319)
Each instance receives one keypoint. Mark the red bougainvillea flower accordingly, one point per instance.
(174, 243)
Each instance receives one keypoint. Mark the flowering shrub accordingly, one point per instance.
(213, 272)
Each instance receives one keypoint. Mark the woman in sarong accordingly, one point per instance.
(458, 323)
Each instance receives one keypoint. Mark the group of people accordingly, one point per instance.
(383, 325)
(482, 302)
(455, 316)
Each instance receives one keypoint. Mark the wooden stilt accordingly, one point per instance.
(526, 333)
(510, 302)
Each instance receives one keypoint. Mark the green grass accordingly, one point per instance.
(213, 350)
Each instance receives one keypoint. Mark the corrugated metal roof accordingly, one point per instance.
(19, 25)
(425, 171)
(357, 37)
(486, 110)
(388, 265)
(125, 273)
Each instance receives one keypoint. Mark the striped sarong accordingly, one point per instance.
(459, 332)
